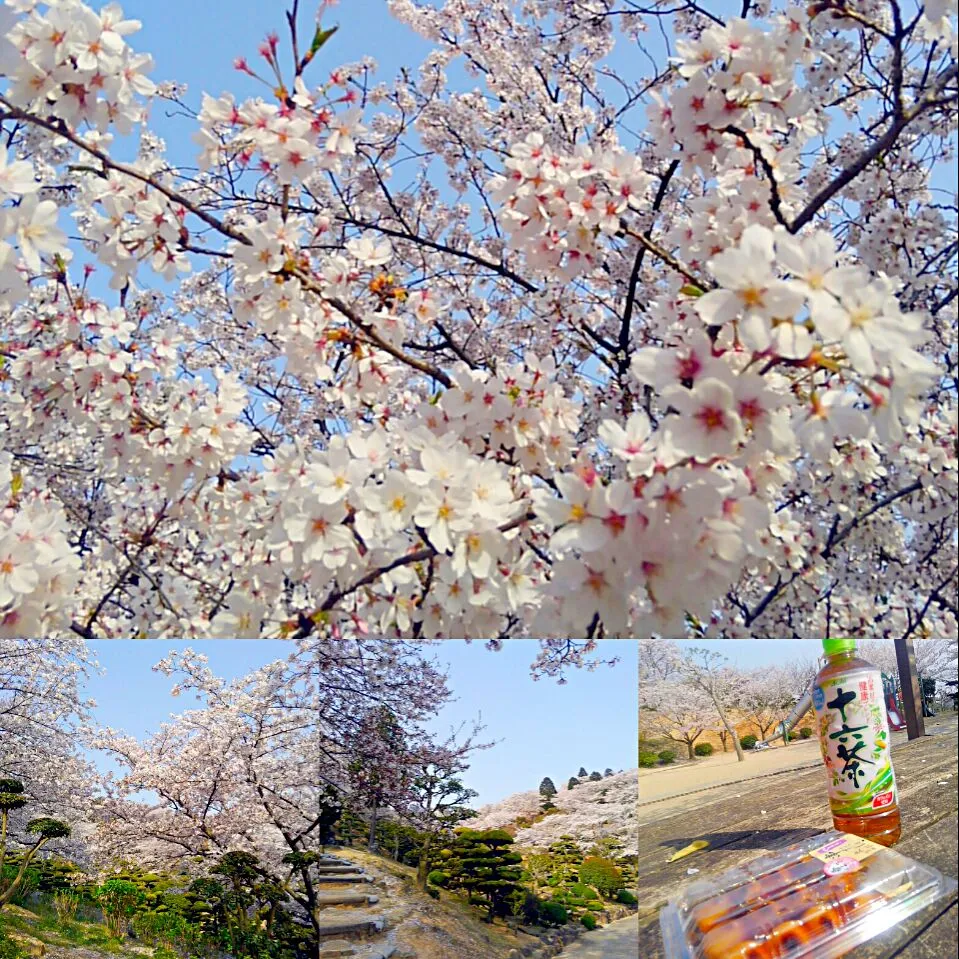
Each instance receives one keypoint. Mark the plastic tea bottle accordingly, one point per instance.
(854, 737)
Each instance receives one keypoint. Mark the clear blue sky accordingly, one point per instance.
(543, 728)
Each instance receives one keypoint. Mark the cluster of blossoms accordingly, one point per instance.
(698, 383)
(556, 206)
(75, 65)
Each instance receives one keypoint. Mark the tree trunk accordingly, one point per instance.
(423, 866)
(689, 747)
(371, 844)
(3, 839)
(10, 891)
(740, 757)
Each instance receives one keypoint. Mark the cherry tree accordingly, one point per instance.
(935, 657)
(43, 721)
(676, 710)
(708, 672)
(238, 774)
(768, 694)
(606, 319)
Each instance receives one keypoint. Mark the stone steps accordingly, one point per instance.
(345, 877)
(347, 899)
(350, 925)
(346, 924)
(342, 949)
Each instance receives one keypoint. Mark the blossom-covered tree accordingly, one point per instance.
(43, 717)
(677, 711)
(607, 320)
(236, 775)
(766, 697)
(708, 672)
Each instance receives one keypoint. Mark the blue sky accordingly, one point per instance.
(131, 697)
(541, 728)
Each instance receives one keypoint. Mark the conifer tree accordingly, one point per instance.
(480, 861)
(547, 790)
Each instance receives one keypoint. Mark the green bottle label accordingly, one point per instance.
(854, 739)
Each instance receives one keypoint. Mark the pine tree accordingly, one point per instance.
(582, 772)
(547, 790)
(573, 781)
(480, 861)
(567, 856)
(594, 777)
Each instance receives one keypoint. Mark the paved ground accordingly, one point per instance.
(618, 940)
(665, 782)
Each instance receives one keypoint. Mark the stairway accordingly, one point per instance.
(348, 927)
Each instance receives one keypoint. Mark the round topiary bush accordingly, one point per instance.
(626, 897)
(805, 732)
(648, 760)
(11, 795)
(667, 756)
(438, 878)
(748, 742)
(703, 749)
(589, 921)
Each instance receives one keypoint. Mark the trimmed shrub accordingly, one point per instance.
(602, 874)
(805, 732)
(667, 756)
(648, 760)
(553, 914)
(748, 742)
(626, 898)
(703, 749)
(589, 921)
(438, 878)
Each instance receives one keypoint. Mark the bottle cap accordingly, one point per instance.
(832, 647)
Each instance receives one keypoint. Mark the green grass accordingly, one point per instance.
(50, 930)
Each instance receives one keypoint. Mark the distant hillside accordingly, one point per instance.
(588, 812)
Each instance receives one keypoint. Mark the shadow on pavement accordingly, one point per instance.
(745, 839)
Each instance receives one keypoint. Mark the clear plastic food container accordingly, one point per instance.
(818, 898)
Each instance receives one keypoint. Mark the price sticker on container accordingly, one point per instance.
(844, 854)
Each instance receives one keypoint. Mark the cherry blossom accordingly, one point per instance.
(592, 365)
